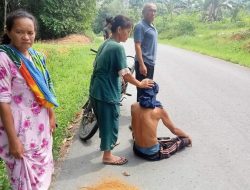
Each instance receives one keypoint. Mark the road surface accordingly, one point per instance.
(206, 97)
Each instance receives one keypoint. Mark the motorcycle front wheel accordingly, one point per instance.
(88, 125)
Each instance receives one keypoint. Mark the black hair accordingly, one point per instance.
(109, 20)
(10, 22)
(121, 21)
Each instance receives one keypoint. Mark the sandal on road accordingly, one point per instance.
(117, 162)
(117, 143)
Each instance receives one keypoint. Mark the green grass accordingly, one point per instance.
(70, 67)
(4, 183)
(225, 40)
(220, 46)
(233, 51)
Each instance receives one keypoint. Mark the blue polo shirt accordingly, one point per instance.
(147, 35)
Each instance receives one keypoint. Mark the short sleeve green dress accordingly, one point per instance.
(105, 90)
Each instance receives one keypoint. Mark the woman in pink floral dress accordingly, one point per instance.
(26, 107)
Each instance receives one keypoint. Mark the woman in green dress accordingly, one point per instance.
(105, 87)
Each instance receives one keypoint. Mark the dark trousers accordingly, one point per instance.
(168, 147)
(107, 116)
(140, 77)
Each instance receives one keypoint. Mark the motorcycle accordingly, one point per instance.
(88, 125)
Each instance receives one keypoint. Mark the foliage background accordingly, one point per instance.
(220, 28)
(56, 18)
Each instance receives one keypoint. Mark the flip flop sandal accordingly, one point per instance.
(117, 143)
(118, 162)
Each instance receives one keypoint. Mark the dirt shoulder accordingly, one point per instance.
(71, 39)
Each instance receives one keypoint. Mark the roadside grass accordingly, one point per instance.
(4, 183)
(225, 40)
(70, 66)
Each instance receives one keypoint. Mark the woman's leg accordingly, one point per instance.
(108, 122)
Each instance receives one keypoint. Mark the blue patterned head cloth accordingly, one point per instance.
(148, 97)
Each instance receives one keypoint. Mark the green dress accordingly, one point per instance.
(105, 91)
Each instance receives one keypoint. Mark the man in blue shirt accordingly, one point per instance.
(145, 39)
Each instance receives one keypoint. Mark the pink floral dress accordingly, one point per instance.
(31, 122)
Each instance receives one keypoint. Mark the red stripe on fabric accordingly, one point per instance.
(170, 149)
(32, 84)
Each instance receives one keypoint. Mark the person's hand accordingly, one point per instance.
(190, 139)
(52, 120)
(187, 137)
(52, 124)
(143, 70)
(16, 148)
(146, 83)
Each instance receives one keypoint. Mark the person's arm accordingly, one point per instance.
(52, 119)
(138, 51)
(145, 83)
(15, 146)
(138, 39)
(125, 73)
(170, 125)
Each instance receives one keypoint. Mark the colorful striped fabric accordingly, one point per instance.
(35, 74)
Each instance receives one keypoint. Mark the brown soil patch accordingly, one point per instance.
(111, 184)
(71, 39)
(237, 37)
(241, 35)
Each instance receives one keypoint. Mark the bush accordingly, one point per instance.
(58, 18)
(185, 28)
(181, 28)
(241, 24)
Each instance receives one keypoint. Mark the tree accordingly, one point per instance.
(61, 17)
(213, 9)
(8, 6)
(5, 12)
(56, 18)
(108, 8)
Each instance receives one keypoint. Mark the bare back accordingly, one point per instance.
(144, 125)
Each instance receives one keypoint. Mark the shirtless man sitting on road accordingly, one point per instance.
(145, 117)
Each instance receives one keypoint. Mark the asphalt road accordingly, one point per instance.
(206, 97)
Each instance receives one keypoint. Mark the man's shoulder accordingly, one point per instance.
(135, 105)
(138, 108)
(141, 24)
